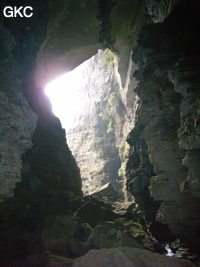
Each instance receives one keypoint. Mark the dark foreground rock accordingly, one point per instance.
(98, 207)
(129, 257)
(121, 233)
(107, 235)
(92, 213)
(62, 235)
(116, 257)
(71, 243)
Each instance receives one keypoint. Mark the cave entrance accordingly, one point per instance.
(67, 97)
(90, 106)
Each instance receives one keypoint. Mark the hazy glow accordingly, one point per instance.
(66, 97)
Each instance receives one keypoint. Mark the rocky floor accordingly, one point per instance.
(103, 230)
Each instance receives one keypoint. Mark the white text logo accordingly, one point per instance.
(13, 12)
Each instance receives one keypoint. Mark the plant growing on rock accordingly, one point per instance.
(109, 59)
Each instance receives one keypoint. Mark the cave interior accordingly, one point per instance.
(122, 186)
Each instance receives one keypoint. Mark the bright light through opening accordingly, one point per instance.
(66, 97)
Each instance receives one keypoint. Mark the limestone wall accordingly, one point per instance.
(162, 169)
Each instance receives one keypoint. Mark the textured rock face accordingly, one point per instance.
(186, 79)
(164, 161)
(77, 30)
(101, 123)
(38, 182)
(48, 171)
(158, 10)
(47, 174)
(17, 120)
(99, 24)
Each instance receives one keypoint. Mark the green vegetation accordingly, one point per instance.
(110, 125)
(109, 59)
(103, 115)
(98, 146)
(122, 169)
(136, 227)
(113, 102)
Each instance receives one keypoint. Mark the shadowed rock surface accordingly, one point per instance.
(163, 144)
(126, 257)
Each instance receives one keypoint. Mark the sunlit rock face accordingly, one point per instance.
(92, 139)
(163, 166)
(99, 120)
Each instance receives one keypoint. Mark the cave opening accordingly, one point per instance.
(65, 95)
(89, 102)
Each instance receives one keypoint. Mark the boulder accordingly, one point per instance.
(95, 210)
(107, 235)
(86, 230)
(122, 233)
(129, 257)
(107, 192)
(60, 235)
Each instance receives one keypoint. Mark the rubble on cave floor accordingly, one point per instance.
(98, 225)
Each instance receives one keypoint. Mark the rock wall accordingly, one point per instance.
(77, 30)
(22, 104)
(18, 121)
(158, 10)
(50, 159)
(47, 174)
(163, 166)
(35, 162)
(101, 123)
